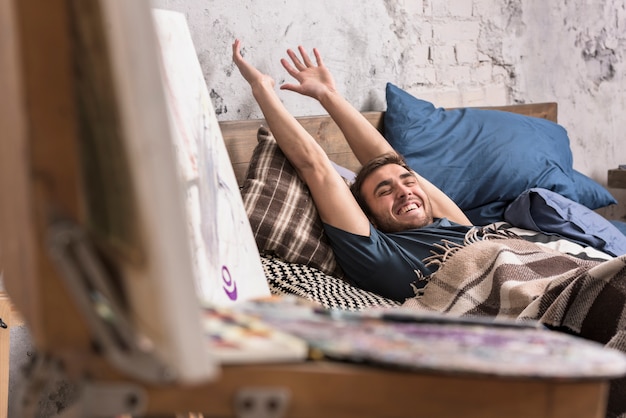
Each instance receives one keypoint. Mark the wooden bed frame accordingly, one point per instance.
(240, 136)
(40, 171)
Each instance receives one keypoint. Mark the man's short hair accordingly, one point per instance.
(371, 166)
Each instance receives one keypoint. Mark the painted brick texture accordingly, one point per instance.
(451, 52)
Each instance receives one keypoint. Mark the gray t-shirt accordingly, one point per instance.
(386, 263)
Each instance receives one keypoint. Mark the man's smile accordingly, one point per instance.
(407, 208)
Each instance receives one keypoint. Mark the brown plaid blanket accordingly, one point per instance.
(513, 278)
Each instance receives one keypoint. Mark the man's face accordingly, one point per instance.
(396, 199)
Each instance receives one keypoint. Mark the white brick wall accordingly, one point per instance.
(443, 55)
(452, 8)
(452, 52)
(456, 30)
(466, 53)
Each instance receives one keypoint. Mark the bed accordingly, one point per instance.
(298, 259)
(575, 281)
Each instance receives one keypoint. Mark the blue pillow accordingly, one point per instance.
(484, 159)
(548, 212)
(591, 193)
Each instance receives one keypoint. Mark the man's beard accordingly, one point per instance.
(386, 225)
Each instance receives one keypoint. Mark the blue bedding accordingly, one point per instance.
(621, 226)
(548, 212)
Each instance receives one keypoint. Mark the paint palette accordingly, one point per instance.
(236, 337)
(433, 342)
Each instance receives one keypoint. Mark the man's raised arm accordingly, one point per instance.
(333, 199)
(364, 139)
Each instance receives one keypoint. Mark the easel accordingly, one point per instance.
(40, 180)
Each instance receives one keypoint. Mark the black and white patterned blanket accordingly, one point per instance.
(311, 284)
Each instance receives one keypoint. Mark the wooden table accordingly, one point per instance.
(328, 389)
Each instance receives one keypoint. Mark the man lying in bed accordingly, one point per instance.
(381, 246)
(381, 236)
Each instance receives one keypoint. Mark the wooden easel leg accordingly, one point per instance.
(5, 344)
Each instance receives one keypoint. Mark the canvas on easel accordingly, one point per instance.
(163, 206)
(135, 206)
(226, 260)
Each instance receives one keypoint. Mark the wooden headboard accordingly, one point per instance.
(240, 135)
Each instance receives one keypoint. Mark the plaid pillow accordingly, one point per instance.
(284, 220)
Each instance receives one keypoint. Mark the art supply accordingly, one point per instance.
(414, 340)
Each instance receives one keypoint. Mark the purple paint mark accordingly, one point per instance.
(230, 287)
